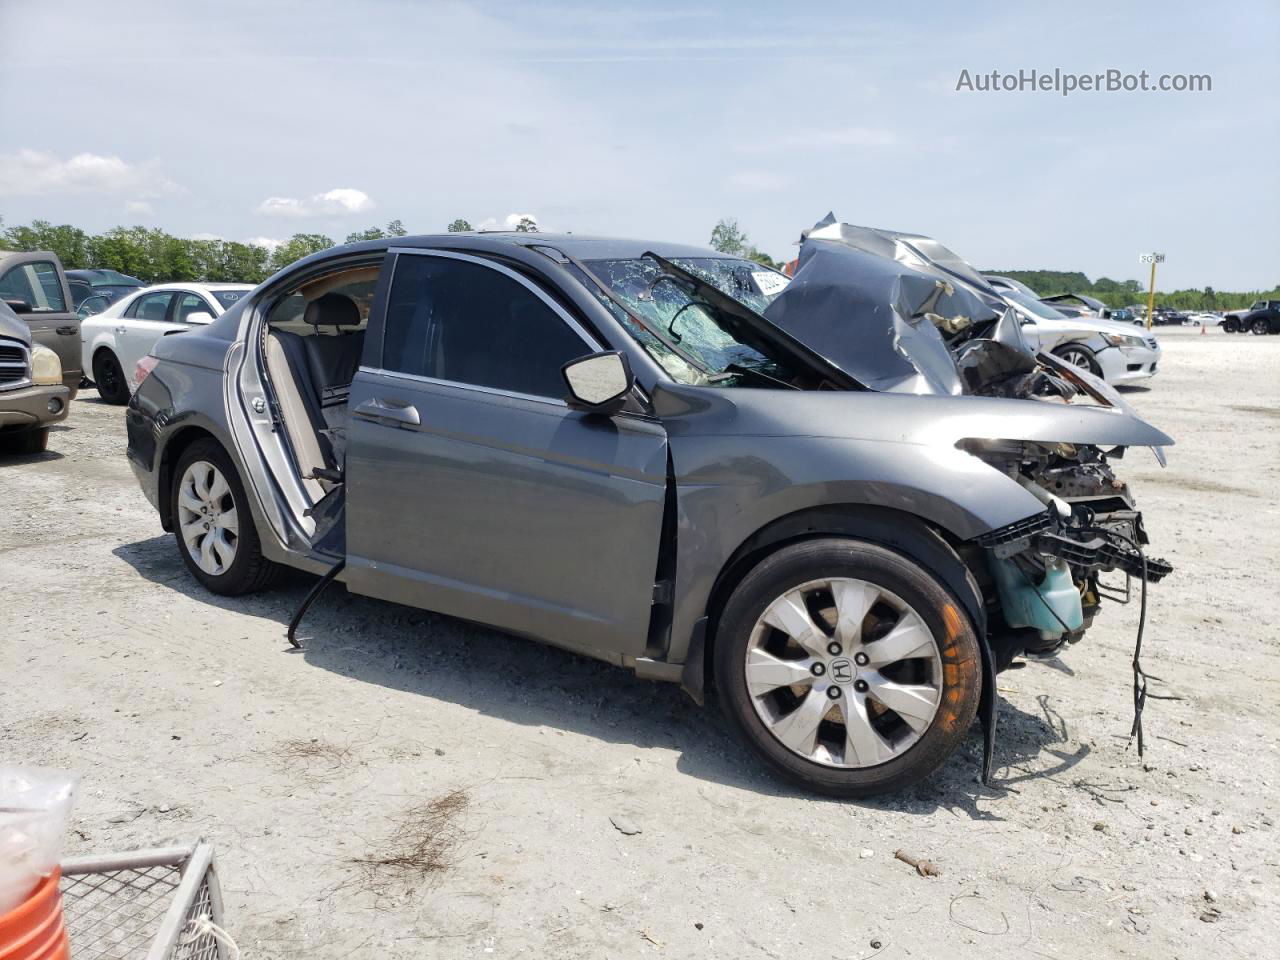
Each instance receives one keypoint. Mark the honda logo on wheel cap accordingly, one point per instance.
(842, 670)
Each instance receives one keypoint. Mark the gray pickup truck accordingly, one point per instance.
(32, 394)
(34, 286)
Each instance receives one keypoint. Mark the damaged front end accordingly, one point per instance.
(902, 313)
(1044, 577)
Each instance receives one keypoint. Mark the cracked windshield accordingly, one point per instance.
(684, 333)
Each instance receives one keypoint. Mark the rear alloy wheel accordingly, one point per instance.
(109, 378)
(212, 523)
(1081, 357)
(1260, 327)
(847, 667)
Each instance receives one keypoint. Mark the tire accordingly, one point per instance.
(1260, 327)
(26, 441)
(109, 378)
(1230, 325)
(233, 563)
(1079, 356)
(945, 666)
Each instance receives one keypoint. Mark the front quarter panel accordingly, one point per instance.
(731, 486)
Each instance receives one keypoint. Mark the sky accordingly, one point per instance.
(257, 120)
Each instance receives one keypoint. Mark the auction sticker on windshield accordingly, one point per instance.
(768, 282)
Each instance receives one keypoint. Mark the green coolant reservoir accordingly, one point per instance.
(1027, 603)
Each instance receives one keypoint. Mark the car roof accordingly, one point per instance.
(578, 246)
(193, 286)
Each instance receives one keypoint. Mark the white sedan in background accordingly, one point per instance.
(1117, 352)
(115, 340)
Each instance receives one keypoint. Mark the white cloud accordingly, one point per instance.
(140, 208)
(268, 243)
(849, 137)
(205, 236)
(759, 181)
(836, 137)
(29, 173)
(509, 222)
(341, 201)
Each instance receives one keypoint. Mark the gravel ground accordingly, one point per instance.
(609, 817)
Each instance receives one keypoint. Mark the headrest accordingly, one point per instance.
(332, 310)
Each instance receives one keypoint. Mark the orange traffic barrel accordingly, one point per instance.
(33, 930)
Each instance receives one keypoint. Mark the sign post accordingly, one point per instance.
(1153, 259)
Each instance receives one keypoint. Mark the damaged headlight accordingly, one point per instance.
(1120, 340)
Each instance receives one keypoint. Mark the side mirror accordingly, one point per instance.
(598, 383)
(19, 306)
(199, 317)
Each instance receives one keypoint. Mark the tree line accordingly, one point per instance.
(1125, 293)
(155, 256)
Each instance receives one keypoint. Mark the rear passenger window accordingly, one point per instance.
(151, 306)
(467, 323)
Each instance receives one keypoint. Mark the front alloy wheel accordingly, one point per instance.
(109, 378)
(1079, 357)
(847, 666)
(844, 672)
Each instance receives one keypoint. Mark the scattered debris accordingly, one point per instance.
(697, 926)
(1078, 884)
(866, 854)
(1136, 925)
(128, 815)
(421, 843)
(926, 868)
(645, 935)
(313, 759)
(624, 826)
(951, 912)
(1211, 915)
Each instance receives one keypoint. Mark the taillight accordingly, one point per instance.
(143, 369)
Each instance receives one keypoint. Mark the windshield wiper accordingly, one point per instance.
(738, 370)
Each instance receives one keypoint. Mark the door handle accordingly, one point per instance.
(376, 409)
(66, 331)
(120, 331)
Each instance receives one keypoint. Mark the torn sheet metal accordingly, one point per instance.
(876, 318)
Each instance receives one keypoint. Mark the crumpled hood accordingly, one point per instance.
(873, 317)
(895, 417)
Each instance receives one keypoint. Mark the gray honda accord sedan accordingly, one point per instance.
(611, 446)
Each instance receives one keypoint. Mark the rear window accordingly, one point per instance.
(228, 298)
